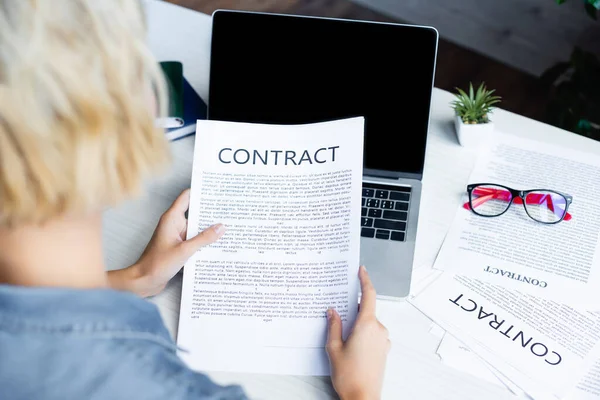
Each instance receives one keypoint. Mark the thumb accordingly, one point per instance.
(204, 238)
(334, 333)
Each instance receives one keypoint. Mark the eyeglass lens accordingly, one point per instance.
(546, 207)
(490, 200)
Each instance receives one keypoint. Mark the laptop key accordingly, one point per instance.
(391, 225)
(387, 204)
(382, 234)
(398, 236)
(367, 222)
(364, 211)
(367, 232)
(401, 206)
(364, 201)
(381, 194)
(373, 203)
(396, 215)
(375, 212)
(368, 192)
(399, 196)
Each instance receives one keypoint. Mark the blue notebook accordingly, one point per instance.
(194, 108)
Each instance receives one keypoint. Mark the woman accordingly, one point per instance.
(79, 92)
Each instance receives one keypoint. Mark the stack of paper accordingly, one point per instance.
(517, 298)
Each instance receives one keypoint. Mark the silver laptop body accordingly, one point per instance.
(342, 72)
(390, 262)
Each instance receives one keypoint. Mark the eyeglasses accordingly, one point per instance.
(541, 205)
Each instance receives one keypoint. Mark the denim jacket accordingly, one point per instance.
(92, 344)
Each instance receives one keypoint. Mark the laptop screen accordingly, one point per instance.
(281, 69)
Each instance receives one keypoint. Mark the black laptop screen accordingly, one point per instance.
(291, 70)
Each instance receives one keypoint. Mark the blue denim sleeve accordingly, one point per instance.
(156, 371)
(100, 368)
(60, 344)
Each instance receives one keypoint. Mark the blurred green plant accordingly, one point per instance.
(574, 103)
(575, 99)
(591, 7)
(474, 107)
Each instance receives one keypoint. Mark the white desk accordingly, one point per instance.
(414, 371)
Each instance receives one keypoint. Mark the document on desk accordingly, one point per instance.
(290, 198)
(558, 261)
(454, 354)
(465, 356)
(439, 196)
(461, 357)
(547, 342)
(589, 386)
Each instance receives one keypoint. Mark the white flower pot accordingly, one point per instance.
(473, 135)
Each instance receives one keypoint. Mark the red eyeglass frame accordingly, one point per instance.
(512, 195)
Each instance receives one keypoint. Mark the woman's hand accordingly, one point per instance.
(358, 365)
(166, 253)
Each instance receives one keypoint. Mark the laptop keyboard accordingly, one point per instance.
(384, 211)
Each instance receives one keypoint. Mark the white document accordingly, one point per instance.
(412, 372)
(439, 195)
(518, 383)
(456, 355)
(546, 341)
(421, 278)
(557, 261)
(588, 387)
(437, 331)
(290, 198)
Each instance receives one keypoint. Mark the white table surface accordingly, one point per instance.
(414, 370)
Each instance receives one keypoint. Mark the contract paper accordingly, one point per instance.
(588, 387)
(540, 344)
(289, 196)
(456, 354)
(558, 261)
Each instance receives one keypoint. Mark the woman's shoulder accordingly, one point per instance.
(59, 344)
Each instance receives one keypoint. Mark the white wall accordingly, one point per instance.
(530, 35)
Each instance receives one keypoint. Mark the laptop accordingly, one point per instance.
(293, 69)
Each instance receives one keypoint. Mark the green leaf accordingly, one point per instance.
(591, 10)
(462, 93)
(480, 91)
(594, 3)
(583, 125)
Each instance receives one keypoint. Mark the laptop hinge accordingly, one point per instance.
(391, 174)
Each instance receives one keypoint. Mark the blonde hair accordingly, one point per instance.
(79, 93)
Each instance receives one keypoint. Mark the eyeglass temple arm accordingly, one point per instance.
(486, 194)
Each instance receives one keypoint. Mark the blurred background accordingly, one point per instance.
(541, 56)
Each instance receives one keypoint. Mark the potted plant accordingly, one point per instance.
(472, 121)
